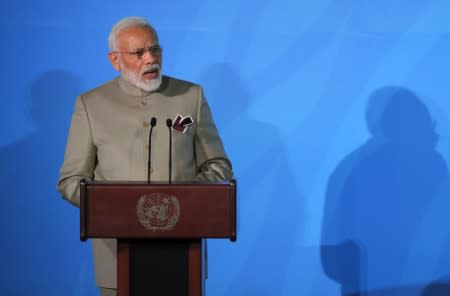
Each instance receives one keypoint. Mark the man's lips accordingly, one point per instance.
(151, 74)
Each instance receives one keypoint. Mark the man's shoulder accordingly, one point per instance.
(174, 80)
(110, 86)
(174, 86)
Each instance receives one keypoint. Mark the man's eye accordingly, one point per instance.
(156, 49)
(140, 52)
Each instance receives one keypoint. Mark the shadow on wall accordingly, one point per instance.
(40, 227)
(268, 197)
(439, 287)
(380, 212)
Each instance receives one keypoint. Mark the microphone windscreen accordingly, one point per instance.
(153, 121)
(169, 122)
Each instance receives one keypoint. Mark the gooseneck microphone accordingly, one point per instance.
(169, 125)
(149, 163)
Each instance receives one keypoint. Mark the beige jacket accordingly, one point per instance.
(108, 140)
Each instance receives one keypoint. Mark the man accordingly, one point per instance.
(109, 133)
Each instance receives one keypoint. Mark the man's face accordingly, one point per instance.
(145, 71)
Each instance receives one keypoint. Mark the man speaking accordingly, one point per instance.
(110, 130)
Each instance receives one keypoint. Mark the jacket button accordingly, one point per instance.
(146, 124)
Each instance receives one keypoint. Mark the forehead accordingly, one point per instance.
(135, 37)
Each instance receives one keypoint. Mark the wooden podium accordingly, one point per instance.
(159, 229)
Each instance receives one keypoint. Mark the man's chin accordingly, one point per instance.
(151, 84)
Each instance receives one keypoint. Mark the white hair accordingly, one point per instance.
(128, 22)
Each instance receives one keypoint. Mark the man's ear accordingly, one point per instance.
(114, 60)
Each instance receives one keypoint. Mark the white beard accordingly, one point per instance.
(135, 79)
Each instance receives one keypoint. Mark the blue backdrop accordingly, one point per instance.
(335, 114)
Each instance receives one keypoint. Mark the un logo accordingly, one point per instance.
(158, 212)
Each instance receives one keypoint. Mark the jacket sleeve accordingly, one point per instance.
(80, 156)
(213, 163)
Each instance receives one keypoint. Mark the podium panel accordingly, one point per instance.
(159, 228)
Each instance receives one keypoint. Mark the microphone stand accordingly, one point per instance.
(152, 124)
(169, 125)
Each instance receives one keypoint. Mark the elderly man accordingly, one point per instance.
(109, 133)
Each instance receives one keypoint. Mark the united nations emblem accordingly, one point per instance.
(158, 212)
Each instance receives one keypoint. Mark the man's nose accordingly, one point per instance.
(148, 57)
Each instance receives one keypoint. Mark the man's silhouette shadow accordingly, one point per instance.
(377, 196)
(269, 201)
(41, 246)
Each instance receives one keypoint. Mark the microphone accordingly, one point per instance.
(169, 125)
(152, 125)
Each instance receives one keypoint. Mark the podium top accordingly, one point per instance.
(159, 183)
